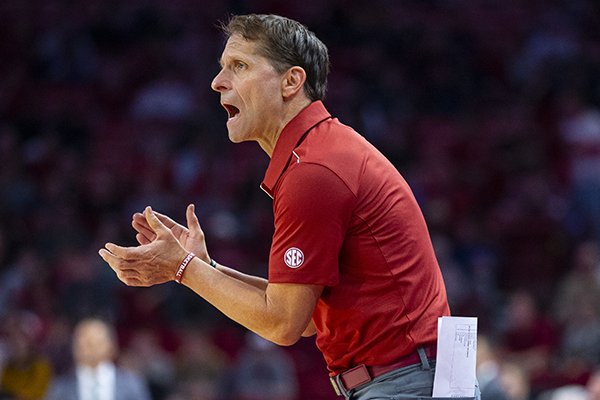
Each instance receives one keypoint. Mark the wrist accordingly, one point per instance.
(183, 266)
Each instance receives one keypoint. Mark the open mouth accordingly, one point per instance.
(232, 111)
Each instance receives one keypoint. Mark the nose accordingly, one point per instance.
(220, 83)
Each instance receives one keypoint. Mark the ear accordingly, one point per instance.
(293, 81)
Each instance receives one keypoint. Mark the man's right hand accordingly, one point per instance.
(191, 238)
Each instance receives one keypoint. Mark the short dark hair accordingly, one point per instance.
(286, 43)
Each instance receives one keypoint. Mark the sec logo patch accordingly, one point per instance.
(293, 257)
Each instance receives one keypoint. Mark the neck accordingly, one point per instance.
(294, 108)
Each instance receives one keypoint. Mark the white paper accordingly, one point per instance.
(456, 354)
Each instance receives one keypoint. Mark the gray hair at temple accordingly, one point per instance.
(286, 43)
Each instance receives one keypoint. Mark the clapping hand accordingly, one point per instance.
(163, 245)
(191, 238)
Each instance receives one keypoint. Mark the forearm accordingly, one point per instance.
(257, 282)
(261, 283)
(246, 300)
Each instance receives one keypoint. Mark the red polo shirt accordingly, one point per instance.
(346, 219)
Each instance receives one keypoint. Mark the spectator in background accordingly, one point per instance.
(146, 354)
(263, 372)
(593, 385)
(488, 370)
(96, 376)
(582, 281)
(577, 310)
(23, 283)
(580, 131)
(516, 381)
(529, 337)
(569, 392)
(199, 365)
(166, 98)
(26, 373)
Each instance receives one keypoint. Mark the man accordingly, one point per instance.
(593, 385)
(488, 369)
(96, 377)
(25, 373)
(351, 259)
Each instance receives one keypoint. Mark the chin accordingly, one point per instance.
(237, 137)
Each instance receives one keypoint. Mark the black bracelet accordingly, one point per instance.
(213, 263)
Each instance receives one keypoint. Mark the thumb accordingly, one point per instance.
(155, 224)
(192, 221)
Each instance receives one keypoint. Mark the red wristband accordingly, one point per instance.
(183, 266)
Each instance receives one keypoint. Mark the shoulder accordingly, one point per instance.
(309, 182)
(63, 387)
(127, 375)
(131, 383)
(333, 141)
(340, 149)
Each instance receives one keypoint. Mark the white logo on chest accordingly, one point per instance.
(293, 257)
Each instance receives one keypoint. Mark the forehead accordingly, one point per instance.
(247, 51)
(92, 330)
(236, 44)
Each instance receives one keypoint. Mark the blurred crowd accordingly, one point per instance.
(491, 111)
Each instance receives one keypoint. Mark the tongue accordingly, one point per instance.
(233, 111)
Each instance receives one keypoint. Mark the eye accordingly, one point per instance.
(238, 65)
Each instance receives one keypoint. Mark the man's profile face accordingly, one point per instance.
(250, 91)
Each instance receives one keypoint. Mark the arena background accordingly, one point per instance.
(490, 109)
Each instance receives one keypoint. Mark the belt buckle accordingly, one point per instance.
(335, 385)
(350, 379)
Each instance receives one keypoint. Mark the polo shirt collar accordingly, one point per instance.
(291, 135)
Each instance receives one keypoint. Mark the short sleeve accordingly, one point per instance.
(312, 208)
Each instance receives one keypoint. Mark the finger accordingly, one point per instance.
(106, 255)
(155, 224)
(126, 275)
(140, 220)
(142, 239)
(168, 222)
(192, 220)
(144, 230)
(121, 253)
(176, 228)
(111, 260)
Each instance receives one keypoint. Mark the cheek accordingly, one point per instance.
(270, 98)
(265, 90)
